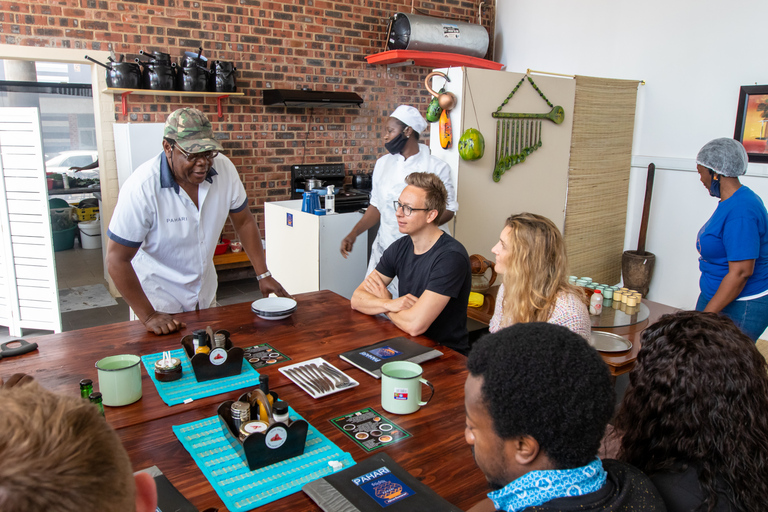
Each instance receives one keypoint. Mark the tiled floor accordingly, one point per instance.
(81, 267)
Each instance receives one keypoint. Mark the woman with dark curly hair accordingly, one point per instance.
(695, 415)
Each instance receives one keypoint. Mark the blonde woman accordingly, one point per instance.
(535, 288)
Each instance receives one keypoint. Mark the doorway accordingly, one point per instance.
(71, 129)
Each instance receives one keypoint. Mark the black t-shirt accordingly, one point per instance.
(626, 489)
(444, 269)
(682, 492)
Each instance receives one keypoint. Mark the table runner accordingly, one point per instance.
(241, 489)
(186, 387)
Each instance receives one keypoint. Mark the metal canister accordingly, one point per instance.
(219, 340)
(241, 413)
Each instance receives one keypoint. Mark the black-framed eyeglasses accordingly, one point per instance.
(407, 210)
(194, 157)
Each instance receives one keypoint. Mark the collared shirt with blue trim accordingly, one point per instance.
(175, 239)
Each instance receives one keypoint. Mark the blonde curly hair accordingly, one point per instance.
(537, 270)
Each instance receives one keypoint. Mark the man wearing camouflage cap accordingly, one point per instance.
(167, 222)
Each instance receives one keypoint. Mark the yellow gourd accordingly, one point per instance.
(446, 132)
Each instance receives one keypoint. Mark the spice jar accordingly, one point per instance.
(280, 412)
(241, 413)
(251, 427)
(168, 370)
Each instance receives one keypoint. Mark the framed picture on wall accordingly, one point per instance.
(752, 122)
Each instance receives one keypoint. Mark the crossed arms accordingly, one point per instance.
(412, 314)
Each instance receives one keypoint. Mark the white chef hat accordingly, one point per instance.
(411, 117)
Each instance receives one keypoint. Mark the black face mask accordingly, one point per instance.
(396, 145)
(714, 186)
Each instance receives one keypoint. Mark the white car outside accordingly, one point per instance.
(63, 161)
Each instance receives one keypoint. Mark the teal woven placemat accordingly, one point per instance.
(242, 489)
(176, 392)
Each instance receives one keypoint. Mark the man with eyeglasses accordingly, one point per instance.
(167, 222)
(432, 267)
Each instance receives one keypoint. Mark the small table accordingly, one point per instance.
(619, 363)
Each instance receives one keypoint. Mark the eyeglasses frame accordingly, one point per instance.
(408, 210)
(194, 157)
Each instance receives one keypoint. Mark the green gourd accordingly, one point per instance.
(471, 145)
(434, 110)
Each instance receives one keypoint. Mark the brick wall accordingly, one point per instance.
(275, 44)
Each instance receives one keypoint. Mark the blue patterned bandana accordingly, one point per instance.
(538, 487)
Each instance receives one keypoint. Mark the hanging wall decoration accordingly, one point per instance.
(472, 142)
(519, 135)
(445, 102)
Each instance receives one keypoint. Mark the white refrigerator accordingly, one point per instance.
(303, 249)
(135, 143)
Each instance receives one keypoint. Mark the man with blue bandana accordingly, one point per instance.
(167, 223)
(538, 399)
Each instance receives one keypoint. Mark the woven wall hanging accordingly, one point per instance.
(519, 135)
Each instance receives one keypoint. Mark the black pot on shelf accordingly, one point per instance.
(158, 77)
(190, 59)
(125, 75)
(192, 79)
(157, 57)
(222, 78)
(121, 75)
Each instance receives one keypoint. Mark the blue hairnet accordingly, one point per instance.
(724, 156)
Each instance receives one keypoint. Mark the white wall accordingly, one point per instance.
(694, 56)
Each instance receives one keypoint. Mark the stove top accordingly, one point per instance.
(347, 199)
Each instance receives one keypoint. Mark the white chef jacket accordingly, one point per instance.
(176, 240)
(389, 181)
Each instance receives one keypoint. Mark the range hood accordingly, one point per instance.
(310, 98)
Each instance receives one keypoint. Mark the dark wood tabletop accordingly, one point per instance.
(324, 325)
(620, 362)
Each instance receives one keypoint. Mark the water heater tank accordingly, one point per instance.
(428, 34)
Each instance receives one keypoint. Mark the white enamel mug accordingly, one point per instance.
(401, 387)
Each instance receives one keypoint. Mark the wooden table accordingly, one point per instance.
(324, 325)
(618, 363)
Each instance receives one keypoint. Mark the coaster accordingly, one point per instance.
(370, 429)
(264, 355)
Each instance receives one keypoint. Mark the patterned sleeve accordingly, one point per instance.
(495, 324)
(572, 313)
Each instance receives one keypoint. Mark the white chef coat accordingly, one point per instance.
(176, 240)
(389, 181)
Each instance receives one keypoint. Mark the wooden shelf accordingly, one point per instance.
(230, 260)
(124, 93)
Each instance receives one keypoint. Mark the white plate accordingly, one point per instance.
(274, 316)
(312, 392)
(274, 308)
(609, 342)
(279, 317)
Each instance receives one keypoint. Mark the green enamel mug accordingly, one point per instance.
(119, 379)
(401, 387)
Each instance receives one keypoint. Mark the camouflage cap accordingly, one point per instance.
(191, 130)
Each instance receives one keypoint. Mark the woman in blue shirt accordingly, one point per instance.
(733, 243)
